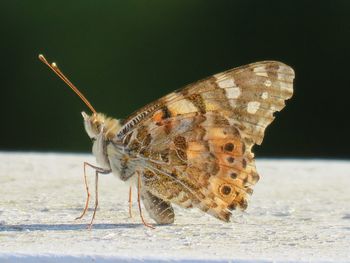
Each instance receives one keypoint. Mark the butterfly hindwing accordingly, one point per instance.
(207, 166)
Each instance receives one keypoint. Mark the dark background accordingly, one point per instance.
(124, 54)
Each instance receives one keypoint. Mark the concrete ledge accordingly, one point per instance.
(300, 211)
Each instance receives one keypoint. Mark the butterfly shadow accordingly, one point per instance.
(62, 227)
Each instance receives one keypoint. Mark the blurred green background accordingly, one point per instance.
(124, 54)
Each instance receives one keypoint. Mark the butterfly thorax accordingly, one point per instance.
(110, 153)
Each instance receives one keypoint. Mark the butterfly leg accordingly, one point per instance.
(130, 202)
(96, 199)
(97, 170)
(87, 193)
(139, 201)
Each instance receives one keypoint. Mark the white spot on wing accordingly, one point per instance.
(220, 76)
(260, 71)
(227, 83)
(265, 95)
(261, 68)
(262, 74)
(253, 107)
(233, 93)
(267, 83)
(182, 106)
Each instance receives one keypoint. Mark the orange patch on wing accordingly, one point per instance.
(158, 116)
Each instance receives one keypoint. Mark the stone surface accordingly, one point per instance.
(300, 211)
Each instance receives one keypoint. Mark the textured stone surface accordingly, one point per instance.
(300, 211)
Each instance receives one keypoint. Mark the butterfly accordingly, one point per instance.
(192, 147)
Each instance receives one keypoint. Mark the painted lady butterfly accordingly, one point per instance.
(193, 147)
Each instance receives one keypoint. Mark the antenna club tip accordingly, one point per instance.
(41, 57)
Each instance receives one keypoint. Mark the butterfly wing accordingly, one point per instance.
(194, 145)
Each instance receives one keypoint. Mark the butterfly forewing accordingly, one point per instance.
(194, 145)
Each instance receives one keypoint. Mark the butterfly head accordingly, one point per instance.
(98, 123)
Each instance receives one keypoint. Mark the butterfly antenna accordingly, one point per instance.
(59, 73)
